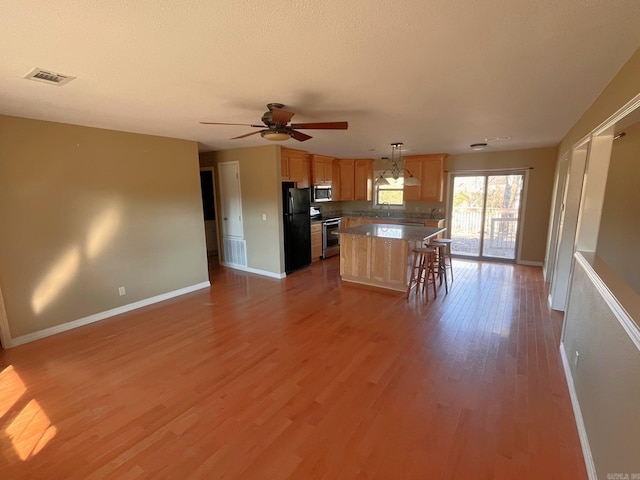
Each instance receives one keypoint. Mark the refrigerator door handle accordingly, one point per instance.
(291, 204)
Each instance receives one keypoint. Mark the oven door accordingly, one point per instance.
(330, 239)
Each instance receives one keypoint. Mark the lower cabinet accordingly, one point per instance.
(354, 256)
(316, 241)
(375, 261)
(389, 262)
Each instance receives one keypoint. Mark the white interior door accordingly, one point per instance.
(230, 199)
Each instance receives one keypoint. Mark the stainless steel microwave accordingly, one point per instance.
(321, 193)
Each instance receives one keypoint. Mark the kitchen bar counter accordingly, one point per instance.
(394, 231)
(379, 255)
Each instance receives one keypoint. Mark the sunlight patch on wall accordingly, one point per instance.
(12, 389)
(102, 231)
(55, 280)
(30, 431)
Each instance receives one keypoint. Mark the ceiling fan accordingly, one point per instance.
(277, 129)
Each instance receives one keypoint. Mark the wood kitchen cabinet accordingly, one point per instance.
(347, 179)
(388, 262)
(354, 257)
(435, 223)
(363, 179)
(321, 170)
(295, 167)
(316, 241)
(429, 169)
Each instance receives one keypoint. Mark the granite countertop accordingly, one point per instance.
(395, 215)
(393, 231)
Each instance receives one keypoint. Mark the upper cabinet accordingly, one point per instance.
(363, 181)
(429, 169)
(321, 170)
(346, 179)
(354, 180)
(295, 167)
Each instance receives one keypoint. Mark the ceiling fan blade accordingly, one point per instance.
(239, 124)
(301, 137)
(323, 125)
(281, 116)
(246, 135)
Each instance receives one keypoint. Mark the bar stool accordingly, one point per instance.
(443, 246)
(423, 271)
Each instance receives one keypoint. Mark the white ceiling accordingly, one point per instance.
(437, 75)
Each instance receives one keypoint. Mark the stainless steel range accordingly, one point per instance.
(330, 239)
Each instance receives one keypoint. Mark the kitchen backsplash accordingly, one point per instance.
(421, 210)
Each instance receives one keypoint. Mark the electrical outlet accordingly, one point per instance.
(264, 217)
(122, 291)
(575, 360)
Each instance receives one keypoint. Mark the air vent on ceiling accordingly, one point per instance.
(46, 76)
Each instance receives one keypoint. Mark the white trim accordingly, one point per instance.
(529, 263)
(257, 271)
(618, 310)
(5, 332)
(577, 413)
(524, 193)
(47, 332)
(629, 107)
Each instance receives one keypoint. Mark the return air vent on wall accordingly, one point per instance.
(47, 76)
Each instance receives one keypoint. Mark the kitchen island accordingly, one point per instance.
(379, 255)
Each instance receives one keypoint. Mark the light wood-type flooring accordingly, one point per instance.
(300, 378)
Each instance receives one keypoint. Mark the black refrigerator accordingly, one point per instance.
(297, 227)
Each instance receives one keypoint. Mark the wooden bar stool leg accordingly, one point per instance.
(432, 271)
(414, 280)
(442, 266)
(450, 261)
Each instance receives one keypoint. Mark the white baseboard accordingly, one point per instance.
(577, 413)
(47, 332)
(264, 273)
(531, 264)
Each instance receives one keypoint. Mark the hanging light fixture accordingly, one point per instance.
(396, 169)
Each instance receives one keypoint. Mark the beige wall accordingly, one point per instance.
(85, 211)
(606, 377)
(622, 88)
(261, 192)
(619, 226)
(542, 162)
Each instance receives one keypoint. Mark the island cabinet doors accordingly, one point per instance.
(389, 262)
(374, 261)
(354, 257)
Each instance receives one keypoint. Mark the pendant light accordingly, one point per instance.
(396, 169)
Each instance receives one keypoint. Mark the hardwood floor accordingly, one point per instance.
(302, 378)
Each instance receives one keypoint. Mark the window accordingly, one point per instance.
(392, 194)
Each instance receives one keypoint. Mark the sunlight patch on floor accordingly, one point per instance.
(12, 389)
(30, 430)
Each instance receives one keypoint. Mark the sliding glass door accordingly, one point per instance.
(485, 215)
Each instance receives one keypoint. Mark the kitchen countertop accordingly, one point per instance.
(392, 231)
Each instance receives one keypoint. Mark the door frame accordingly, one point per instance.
(215, 205)
(524, 171)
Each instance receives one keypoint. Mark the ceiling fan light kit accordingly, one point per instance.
(275, 135)
(276, 120)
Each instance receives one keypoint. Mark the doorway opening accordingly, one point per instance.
(485, 215)
(209, 210)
